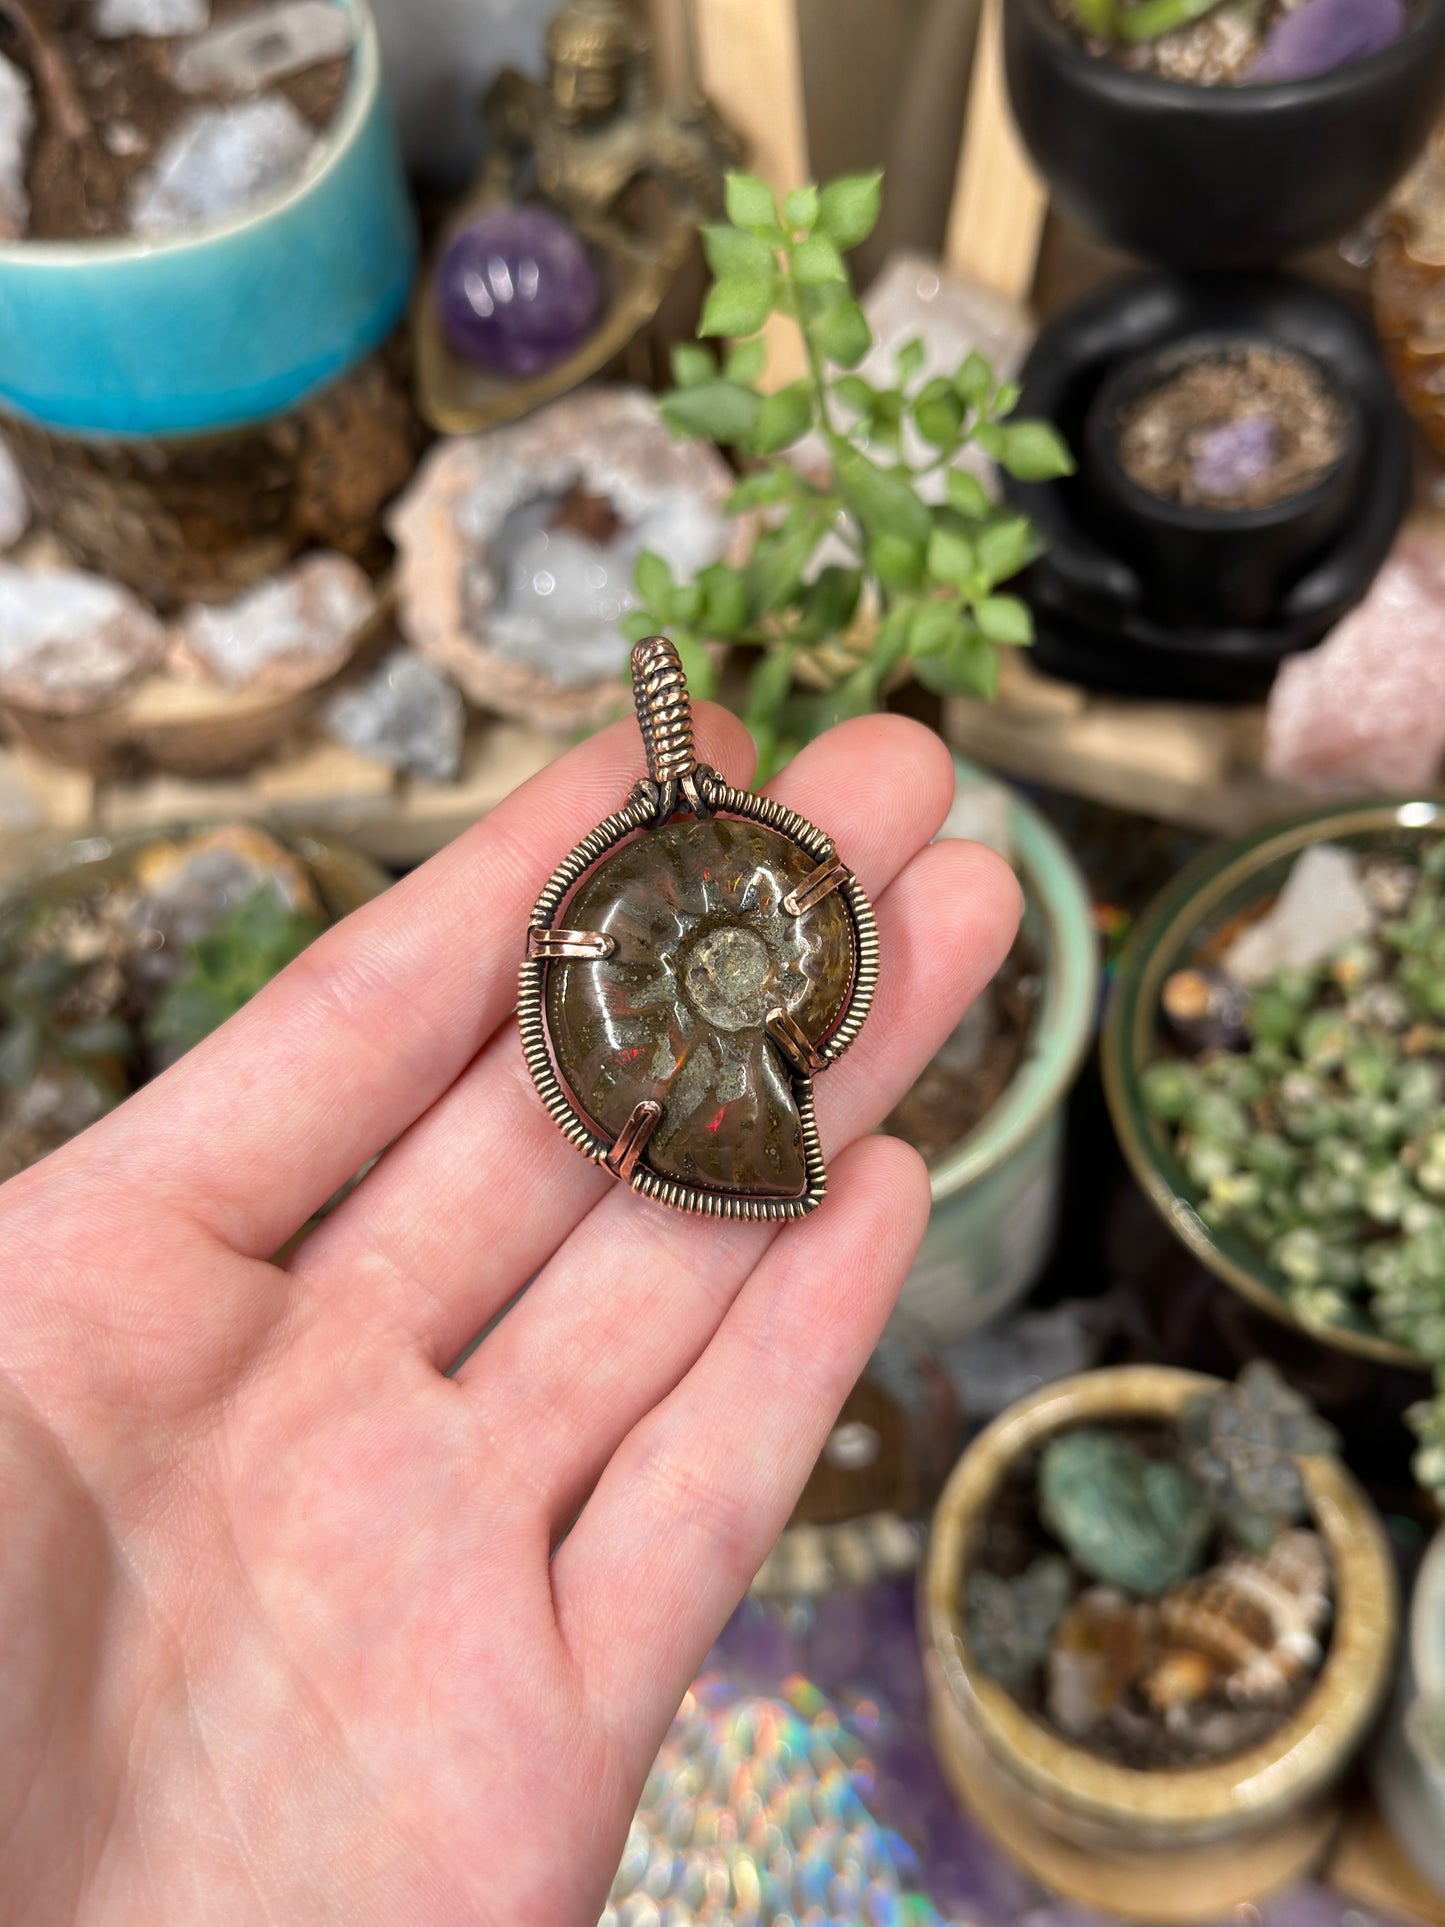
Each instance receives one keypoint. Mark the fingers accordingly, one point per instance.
(482, 1191)
(686, 1511)
(258, 1126)
(611, 1325)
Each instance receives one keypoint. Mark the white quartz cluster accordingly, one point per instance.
(17, 124)
(219, 163)
(248, 51)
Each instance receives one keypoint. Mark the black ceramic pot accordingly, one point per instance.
(1109, 617)
(1206, 564)
(1219, 177)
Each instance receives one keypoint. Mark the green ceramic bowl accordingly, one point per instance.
(1218, 886)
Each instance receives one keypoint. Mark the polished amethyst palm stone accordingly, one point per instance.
(516, 291)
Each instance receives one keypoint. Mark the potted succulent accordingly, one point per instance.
(1274, 1068)
(117, 954)
(208, 236)
(988, 1113)
(1158, 1619)
(878, 555)
(1257, 133)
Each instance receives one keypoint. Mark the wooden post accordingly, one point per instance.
(999, 203)
(674, 52)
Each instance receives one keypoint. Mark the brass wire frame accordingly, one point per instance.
(645, 808)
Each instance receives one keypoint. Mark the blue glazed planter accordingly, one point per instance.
(229, 325)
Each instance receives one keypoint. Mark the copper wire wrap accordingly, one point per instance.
(664, 712)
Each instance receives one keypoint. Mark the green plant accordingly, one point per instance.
(240, 956)
(1132, 22)
(1010, 1623)
(922, 577)
(38, 980)
(1243, 1443)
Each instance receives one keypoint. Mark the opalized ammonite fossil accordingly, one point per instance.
(691, 966)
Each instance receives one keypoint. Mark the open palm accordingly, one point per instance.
(292, 1624)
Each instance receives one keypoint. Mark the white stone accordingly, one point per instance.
(526, 616)
(71, 642)
(981, 812)
(17, 124)
(248, 51)
(221, 162)
(289, 634)
(406, 714)
(14, 502)
(1322, 907)
(159, 19)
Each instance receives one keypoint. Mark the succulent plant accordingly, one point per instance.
(1243, 1442)
(1132, 1521)
(1010, 1623)
(50, 1010)
(1322, 1142)
(926, 576)
(239, 956)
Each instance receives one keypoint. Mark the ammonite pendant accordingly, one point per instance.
(691, 966)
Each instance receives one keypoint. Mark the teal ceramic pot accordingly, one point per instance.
(996, 1194)
(231, 324)
(1409, 1765)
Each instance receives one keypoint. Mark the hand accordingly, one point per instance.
(286, 1630)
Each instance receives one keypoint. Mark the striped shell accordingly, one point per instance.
(1256, 1622)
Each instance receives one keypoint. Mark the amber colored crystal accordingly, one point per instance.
(704, 952)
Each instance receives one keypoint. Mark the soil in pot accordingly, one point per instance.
(111, 112)
(1127, 1591)
(1236, 42)
(1246, 427)
(977, 1064)
(110, 973)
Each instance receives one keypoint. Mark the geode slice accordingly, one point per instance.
(704, 952)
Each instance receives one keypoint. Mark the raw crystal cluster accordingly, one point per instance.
(405, 714)
(249, 51)
(114, 19)
(17, 124)
(676, 1015)
(14, 504)
(221, 162)
(516, 291)
(1320, 1142)
(290, 633)
(516, 550)
(70, 642)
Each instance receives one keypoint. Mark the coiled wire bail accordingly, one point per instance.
(664, 715)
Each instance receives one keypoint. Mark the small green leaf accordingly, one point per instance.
(829, 603)
(951, 557)
(967, 494)
(761, 490)
(856, 695)
(1096, 17)
(816, 261)
(722, 411)
(968, 667)
(696, 665)
(692, 365)
(746, 361)
(775, 567)
(687, 603)
(640, 624)
(19, 1054)
(897, 564)
(800, 208)
(974, 378)
(736, 308)
(938, 414)
(725, 601)
(769, 685)
(840, 328)
(848, 208)
(784, 418)
(1004, 619)
(882, 499)
(1033, 452)
(855, 394)
(735, 256)
(934, 627)
(655, 585)
(750, 201)
(1005, 400)
(910, 359)
(890, 645)
(1004, 548)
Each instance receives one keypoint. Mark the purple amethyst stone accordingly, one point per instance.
(1231, 457)
(516, 292)
(1321, 35)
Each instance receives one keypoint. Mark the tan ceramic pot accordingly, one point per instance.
(1178, 1845)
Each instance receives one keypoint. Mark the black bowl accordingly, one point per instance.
(1108, 619)
(1210, 564)
(1219, 177)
